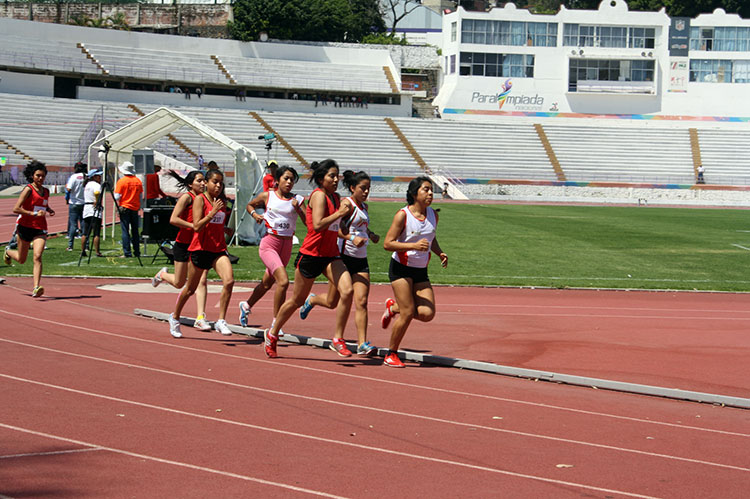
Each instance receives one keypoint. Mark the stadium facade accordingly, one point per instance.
(609, 62)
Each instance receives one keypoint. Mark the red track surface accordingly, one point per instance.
(57, 223)
(96, 401)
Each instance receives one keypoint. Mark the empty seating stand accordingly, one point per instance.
(36, 53)
(634, 153)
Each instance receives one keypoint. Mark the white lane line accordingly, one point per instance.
(360, 377)
(51, 453)
(169, 461)
(741, 247)
(379, 410)
(323, 440)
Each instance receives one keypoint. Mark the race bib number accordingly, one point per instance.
(335, 226)
(39, 208)
(282, 226)
(218, 218)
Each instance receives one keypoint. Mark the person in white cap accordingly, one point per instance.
(128, 191)
(92, 214)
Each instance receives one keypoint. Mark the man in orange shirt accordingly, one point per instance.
(128, 193)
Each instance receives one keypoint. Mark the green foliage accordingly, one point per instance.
(384, 39)
(117, 21)
(306, 20)
(521, 245)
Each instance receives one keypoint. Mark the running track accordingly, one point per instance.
(96, 401)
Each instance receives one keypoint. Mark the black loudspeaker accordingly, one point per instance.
(156, 224)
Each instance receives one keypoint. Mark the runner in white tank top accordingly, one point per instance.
(281, 213)
(358, 224)
(414, 231)
(282, 208)
(354, 236)
(411, 238)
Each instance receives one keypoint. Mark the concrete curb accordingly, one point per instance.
(488, 367)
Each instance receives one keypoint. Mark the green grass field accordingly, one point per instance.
(522, 245)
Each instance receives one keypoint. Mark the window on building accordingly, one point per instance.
(453, 31)
(509, 33)
(609, 70)
(716, 71)
(496, 65)
(641, 38)
(453, 64)
(577, 35)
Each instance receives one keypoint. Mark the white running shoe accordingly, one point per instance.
(156, 280)
(222, 327)
(202, 324)
(174, 327)
(244, 312)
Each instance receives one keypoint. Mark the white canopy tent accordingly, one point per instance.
(148, 129)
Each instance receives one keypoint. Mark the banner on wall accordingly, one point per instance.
(679, 74)
(679, 36)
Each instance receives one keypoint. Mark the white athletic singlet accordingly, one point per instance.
(357, 222)
(415, 230)
(280, 215)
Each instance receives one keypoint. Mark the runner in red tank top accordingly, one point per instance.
(324, 212)
(207, 250)
(32, 207)
(182, 217)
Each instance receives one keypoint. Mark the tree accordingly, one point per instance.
(395, 10)
(309, 20)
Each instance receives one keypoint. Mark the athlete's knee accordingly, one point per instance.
(282, 282)
(228, 282)
(361, 302)
(426, 314)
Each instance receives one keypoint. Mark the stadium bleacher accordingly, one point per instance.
(45, 129)
(622, 154)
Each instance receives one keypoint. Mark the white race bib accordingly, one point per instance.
(218, 218)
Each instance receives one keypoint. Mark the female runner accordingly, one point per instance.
(282, 208)
(32, 207)
(411, 238)
(182, 217)
(354, 236)
(318, 255)
(208, 249)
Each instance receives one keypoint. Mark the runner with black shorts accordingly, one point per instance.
(318, 255)
(208, 249)
(411, 238)
(32, 207)
(354, 237)
(182, 217)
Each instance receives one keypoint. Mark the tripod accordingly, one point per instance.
(105, 187)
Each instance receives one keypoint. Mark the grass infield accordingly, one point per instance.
(522, 245)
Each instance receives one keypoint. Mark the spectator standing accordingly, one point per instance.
(269, 179)
(187, 93)
(153, 189)
(198, 92)
(92, 217)
(128, 191)
(74, 190)
(201, 161)
(701, 171)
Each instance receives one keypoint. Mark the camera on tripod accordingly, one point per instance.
(269, 138)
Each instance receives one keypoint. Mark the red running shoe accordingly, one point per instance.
(339, 346)
(388, 314)
(269, 345)
(392, 360)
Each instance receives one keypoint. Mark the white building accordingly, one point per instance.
(610, 61)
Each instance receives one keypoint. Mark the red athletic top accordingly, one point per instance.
(185, 236)
(211, 236)
(34, 202)
(324, 242)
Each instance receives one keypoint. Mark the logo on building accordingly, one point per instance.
(679, 25)
(504, 94)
